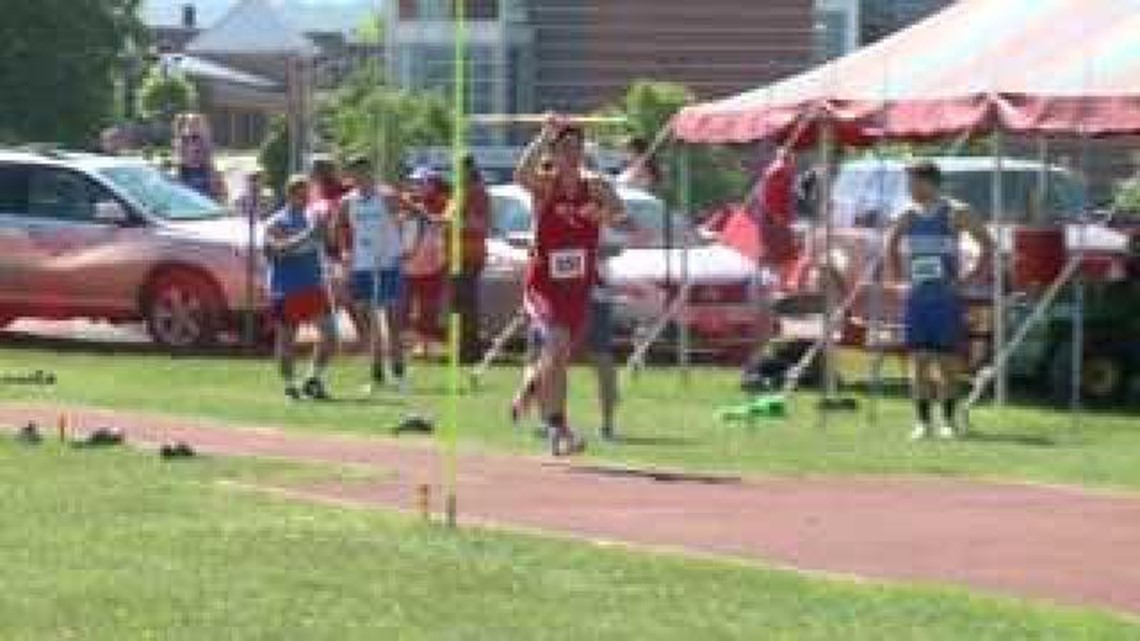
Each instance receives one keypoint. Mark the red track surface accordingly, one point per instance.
(1061, 544)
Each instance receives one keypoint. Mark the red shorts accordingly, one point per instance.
(558, 307)
(301, 307)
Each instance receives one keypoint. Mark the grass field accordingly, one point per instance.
(114, 545)
(664, 421)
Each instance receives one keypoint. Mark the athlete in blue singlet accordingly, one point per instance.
(923, 246)
(294, 244)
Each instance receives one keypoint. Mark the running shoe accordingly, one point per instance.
(921, 432)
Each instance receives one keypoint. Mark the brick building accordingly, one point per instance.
(577, 55)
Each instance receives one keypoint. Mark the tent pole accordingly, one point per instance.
(826, 153)
(686, 209)
(999, 320)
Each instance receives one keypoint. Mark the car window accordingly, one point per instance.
(60, 194)
(13, 189)
(509, 215)
(865, 195)
(160, 195)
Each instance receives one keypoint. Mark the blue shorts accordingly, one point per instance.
(934, 322)
(387, 292)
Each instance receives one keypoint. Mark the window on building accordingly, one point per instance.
(445, 9)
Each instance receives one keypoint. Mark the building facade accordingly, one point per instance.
(842, 26)
(578, 55)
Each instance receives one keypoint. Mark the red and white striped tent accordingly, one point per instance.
(1035, 67)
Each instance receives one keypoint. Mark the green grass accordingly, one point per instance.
(115, 544)
(667, 423)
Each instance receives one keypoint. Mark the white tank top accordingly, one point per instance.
(376, 243)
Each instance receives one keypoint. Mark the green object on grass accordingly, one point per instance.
(771, 406)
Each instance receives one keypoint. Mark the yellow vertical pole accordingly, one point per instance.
(450, 433)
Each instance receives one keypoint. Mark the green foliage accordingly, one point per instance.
(163, 95)
(1127, 197)
(371, 30)
(716, 176)
(59, 60)
(274, 154)
(366, 116)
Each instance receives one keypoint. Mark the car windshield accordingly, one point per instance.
(161, 195)
(509, 215)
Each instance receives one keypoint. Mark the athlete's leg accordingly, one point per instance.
(950, 368)
(601, 349)
(552, 379)
(528, 386)
(922, 390)
(285, 347)
(607, 390)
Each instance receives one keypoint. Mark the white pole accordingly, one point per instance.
(998, 206)
(826, 151)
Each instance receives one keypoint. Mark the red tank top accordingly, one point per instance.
(566, 242)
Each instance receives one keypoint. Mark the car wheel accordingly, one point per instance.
(1104, 379)
(182, 311)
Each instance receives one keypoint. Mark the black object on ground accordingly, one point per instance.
(177, 450)
(102, 437)
(769, 370)
(30, 434)
(415, 425)
(38, 377)
(838, 404)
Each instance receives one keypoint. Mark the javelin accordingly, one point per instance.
(539, 119)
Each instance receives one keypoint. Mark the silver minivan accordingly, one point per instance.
(88, 236)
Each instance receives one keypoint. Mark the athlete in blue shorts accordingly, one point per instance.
(372, 249)
(923, 245)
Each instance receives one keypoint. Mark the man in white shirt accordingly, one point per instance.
(369, 233)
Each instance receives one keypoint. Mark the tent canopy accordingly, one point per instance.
(1029, 66)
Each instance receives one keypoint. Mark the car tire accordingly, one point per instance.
(1105, 379)
(183, 310)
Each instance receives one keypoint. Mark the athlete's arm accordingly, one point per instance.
(966, 222)
(530, 173)
(893, 247)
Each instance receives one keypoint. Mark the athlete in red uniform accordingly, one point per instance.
(571, 205)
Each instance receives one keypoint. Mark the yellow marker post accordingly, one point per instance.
(450, 433)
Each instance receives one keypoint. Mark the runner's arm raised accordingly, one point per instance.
(530, 173)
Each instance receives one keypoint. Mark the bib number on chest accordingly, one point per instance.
(568, 264)
(926, 269)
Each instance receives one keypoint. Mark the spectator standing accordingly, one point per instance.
(465, 295)
(426, 266)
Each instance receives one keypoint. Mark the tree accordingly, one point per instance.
(365, 116)
(164, 94)
(715, 173)
(1126, 200)
(274, 154)
(59, 61)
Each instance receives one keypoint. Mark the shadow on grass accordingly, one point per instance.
(657, 475)
(1026, 440)
(655, 441)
